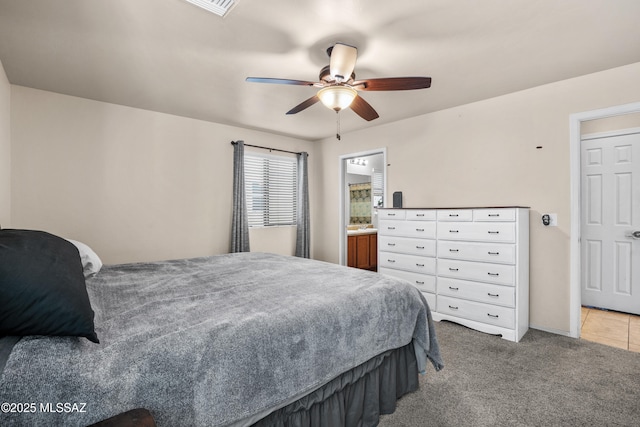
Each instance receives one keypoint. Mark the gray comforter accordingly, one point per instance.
(214, 341)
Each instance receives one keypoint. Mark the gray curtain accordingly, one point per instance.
(239, 220)
(303, 228)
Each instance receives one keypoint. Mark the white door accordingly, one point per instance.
(610, 169)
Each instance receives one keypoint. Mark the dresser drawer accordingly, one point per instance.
(424, 282)
(391, 214)
(485, 313)
(502, 232)
(455, 215)
(421, 215)
(416, 229)
(494, 214)
(503, 253)
(407, 245)
(431, 300)
(414, 263)
(481, 292)
(483, 272)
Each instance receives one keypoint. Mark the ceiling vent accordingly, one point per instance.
(219, 7)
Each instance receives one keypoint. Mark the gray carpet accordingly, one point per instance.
(545, 380)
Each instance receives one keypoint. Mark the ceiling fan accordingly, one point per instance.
(339, 87)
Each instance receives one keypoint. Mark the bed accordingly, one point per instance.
(228, 340)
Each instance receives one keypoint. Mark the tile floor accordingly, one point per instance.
(611, 328)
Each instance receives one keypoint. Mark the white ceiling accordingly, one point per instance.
(171, 56)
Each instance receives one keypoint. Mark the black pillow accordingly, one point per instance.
(42, 287)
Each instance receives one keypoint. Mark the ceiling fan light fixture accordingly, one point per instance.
(337, 97)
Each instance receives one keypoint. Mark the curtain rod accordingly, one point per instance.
(267, 148)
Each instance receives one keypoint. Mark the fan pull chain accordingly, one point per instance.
(338, 125)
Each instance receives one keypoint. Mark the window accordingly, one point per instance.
(270, 187)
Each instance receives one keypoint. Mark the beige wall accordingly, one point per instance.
(484, 154)
(624, 121)
(134, 184)
(5, 149)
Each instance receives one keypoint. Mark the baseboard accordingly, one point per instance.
(552, 331)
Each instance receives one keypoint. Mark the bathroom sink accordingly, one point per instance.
(362, 231)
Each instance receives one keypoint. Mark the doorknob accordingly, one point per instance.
(635, 234)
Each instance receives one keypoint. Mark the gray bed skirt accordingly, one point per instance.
(357, 397)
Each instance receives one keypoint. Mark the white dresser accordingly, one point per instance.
(472, 265)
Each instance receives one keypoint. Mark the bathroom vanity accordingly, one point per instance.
(362, 248)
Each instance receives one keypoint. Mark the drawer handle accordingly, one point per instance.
(494, 274)
(452, 307)
(494, 214)
(391, 260)
(453, 269)
(495, 316)
(453, 231)
(419, 282)
(454, 250)
(419, 247)
(419, 214)
(493, 295)
(392, 214)
(452, 288)
(391, 228)
(493, 253)
(419, 265)
(453, 215)
(493, 232)
(391, 244)
(419, 229)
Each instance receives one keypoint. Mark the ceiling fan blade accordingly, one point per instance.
(393, 83)
(304, 105)
(279, 81)
(363, 109)
(343, 60)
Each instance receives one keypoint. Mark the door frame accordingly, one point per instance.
(575, 121)
(342, 168)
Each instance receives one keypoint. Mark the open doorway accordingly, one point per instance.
(363, 182)
(579, 123)
(610, 231)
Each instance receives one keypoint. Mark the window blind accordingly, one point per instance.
(270, 187)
